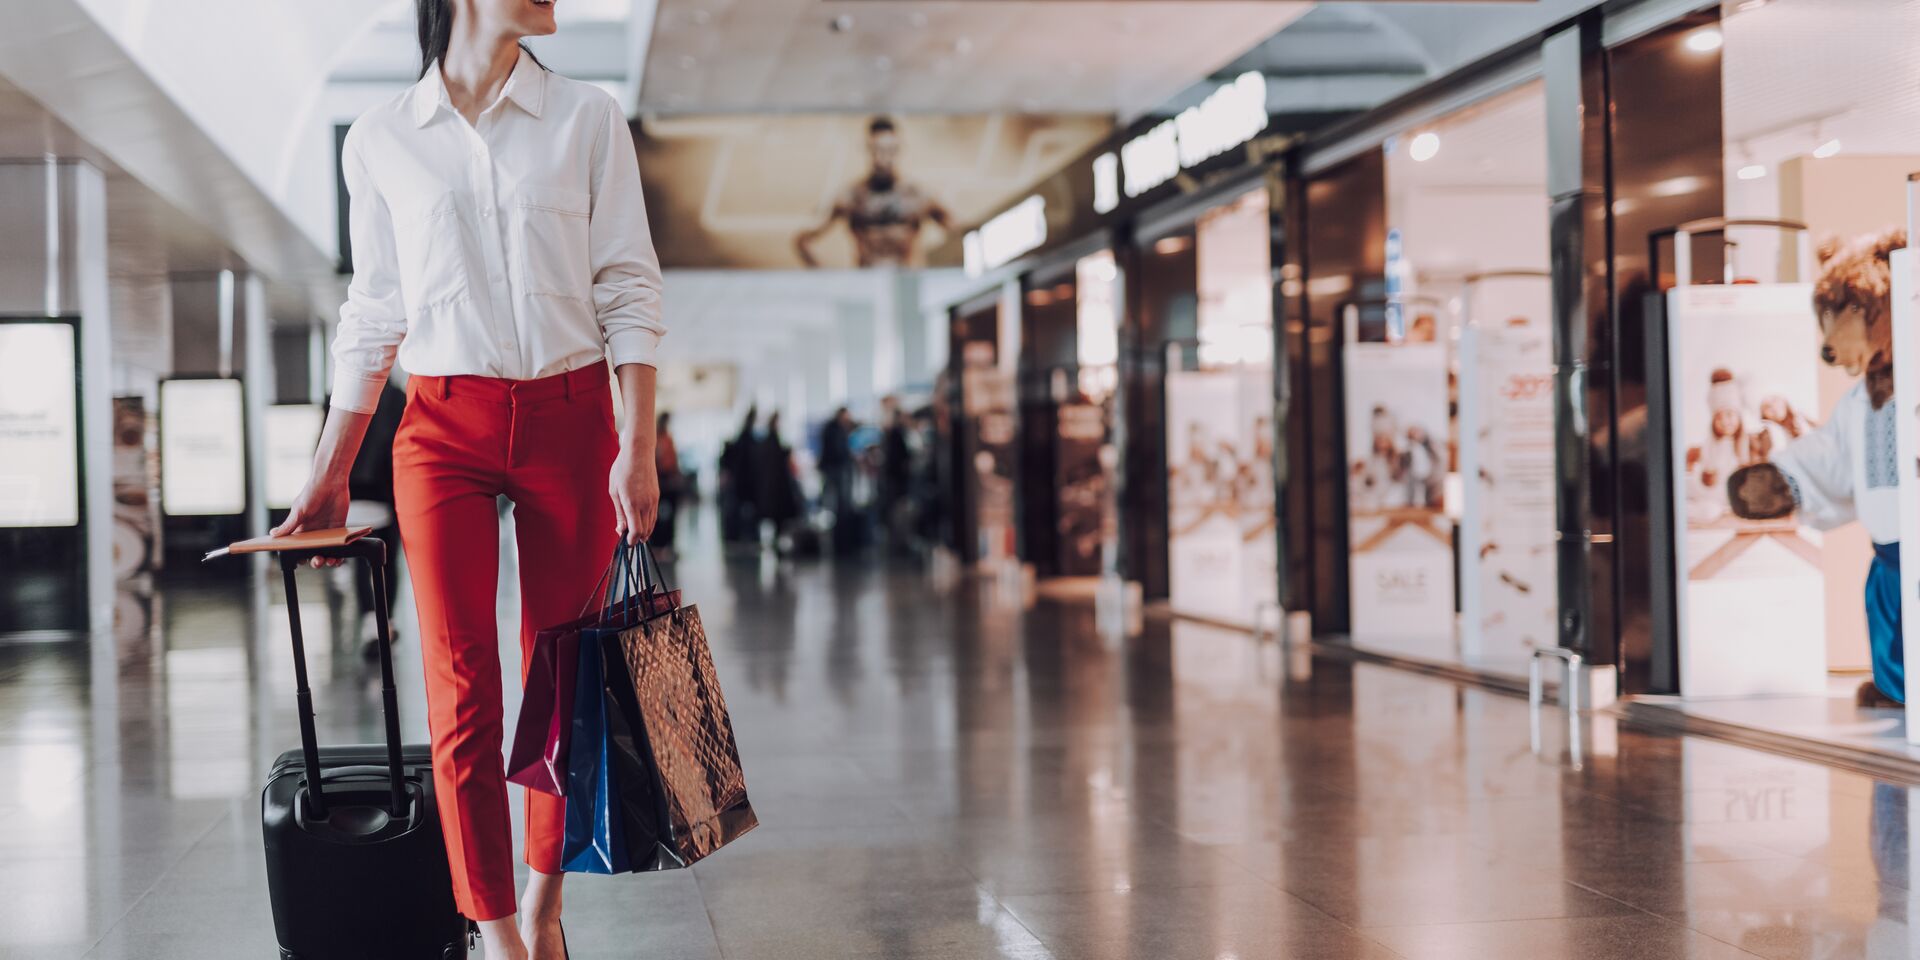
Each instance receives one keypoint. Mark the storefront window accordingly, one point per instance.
(1449, 426)
(1222, 553)
(1822, 131)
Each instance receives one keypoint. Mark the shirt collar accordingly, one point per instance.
(526, 87)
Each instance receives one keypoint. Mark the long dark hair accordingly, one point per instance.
(436, 32)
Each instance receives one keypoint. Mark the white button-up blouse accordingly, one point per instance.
(513, 247)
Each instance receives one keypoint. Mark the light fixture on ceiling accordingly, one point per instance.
(1748, 6)
(1424, 147)
(1752, 171)
(1168, 246)
(1705, 40)
(1827, 149)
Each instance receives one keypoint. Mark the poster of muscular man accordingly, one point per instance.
(839, 191)
(882, 211)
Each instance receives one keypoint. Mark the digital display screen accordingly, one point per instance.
(39, 426)
(292, 432)
(203, 467)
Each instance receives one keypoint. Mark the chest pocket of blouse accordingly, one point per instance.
(430, 250)
(555, 258)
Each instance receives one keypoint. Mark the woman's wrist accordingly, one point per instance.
(637, 444)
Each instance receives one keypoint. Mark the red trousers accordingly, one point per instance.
(548, 445)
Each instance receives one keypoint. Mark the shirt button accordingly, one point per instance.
(486, 211)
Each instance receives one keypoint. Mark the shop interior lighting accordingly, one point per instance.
(1827, 149)
(1748, 6)
(1168, 246)
(1705, 40)
(1424, 147)
(1752, 171)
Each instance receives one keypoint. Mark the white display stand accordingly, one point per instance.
(1205, 569)
(1750, 594)
(1508, 579)
(1906, 385)
(1401, 542)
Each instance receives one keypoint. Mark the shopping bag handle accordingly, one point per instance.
(658, 581)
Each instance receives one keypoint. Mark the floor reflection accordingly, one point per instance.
(943, 774)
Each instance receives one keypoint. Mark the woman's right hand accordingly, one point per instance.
(321, 505)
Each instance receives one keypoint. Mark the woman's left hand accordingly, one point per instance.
(634, 485)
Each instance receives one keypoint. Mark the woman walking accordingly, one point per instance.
(502, 253)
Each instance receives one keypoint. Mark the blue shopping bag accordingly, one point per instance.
(595, 842)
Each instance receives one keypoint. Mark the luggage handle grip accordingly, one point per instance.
(373, 551)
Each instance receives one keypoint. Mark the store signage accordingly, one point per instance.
(39, 426)
(1227, 118)
(1106, 183)
(293, 431)
(203, 470)
(1006, 237)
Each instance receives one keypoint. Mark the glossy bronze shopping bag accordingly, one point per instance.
(681, 732)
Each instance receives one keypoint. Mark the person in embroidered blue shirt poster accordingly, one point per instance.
(1847, 469)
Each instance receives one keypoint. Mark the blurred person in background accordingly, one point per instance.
(666, 460)
(836, 473)
(896, 472)
(777, 489)
(371, 481)
(739, 493)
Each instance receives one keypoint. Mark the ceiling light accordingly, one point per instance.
(1827, 149)
(1424, 147)
(1168, 246)
(1752, 171)
(1748, 6)
(1705, 40)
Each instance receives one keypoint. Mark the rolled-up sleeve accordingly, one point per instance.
(626, 271)
(373, 320)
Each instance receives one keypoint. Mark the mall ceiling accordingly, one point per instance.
(774, 56)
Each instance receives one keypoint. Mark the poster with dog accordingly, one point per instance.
(1400, 538)
(1745, 369)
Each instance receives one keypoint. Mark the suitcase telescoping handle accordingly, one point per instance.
(373, 550)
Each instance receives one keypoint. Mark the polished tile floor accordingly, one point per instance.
(943, 775)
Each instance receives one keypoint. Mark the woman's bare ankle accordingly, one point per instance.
(500, 939)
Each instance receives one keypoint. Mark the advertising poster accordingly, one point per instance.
(991, 433)
(1082, 482)
(39, 426)
(1400, 539)
(1507, 556)
(1205, 480)
(1254, 488)
(136, 481)
(292, 433)
(203, 469)
(1745, 362)
(777, 191)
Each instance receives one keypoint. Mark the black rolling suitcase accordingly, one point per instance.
(355, 862)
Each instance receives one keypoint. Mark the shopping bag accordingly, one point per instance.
(538, 759)
(593, 841)
(682, 735)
